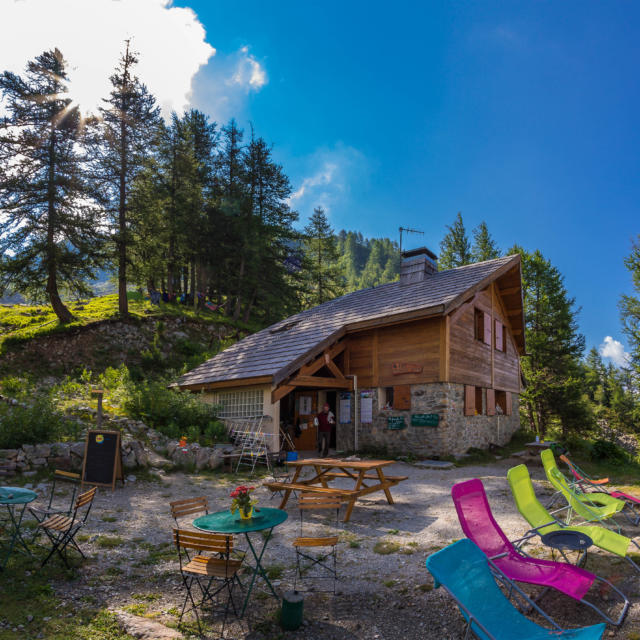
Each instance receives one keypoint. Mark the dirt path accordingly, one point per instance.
(132, 565)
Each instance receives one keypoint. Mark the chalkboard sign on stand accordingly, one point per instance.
(102, 464)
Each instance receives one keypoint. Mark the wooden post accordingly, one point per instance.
(99, 393)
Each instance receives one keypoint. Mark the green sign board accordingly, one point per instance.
(424, 419)
(396, 422)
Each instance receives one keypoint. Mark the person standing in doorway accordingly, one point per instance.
(325, 420)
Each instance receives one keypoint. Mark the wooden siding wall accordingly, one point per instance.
(471, 359)
(372, 353)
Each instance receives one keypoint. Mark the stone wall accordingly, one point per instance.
(454, 435)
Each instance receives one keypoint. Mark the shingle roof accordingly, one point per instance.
(273, 351)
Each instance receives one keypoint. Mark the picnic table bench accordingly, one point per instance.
(327, 469)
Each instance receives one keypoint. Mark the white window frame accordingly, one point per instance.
(245, 403)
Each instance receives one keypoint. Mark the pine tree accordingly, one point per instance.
(49, 228)
(123, 142)
(484, 246)
(551, 367)
(630, 307)
(324, 275)
(455, 250)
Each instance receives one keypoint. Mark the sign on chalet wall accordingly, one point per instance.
(425, 419)
(398, 368)
(395, 423)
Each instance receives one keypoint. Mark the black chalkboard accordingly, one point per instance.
(102, 458)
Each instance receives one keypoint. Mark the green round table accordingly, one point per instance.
(231, 523)
(15, 499)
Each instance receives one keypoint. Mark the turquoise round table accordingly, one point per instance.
(226, 522)
(15, 499)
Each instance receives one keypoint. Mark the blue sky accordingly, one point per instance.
(522, 114)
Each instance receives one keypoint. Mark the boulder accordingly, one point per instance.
(8, 454)
(184, 458)
(215, 459)
(77, 449)
(171, 448)
(146, 629)
(43, 450)
(202, 457)
(129, 460)
(60, 462)
(39, 462)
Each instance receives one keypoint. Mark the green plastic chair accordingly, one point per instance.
(542, 522)
(590, 507)
(468, 576)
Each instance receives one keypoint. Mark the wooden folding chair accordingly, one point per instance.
(61, 529)
(326, 560)
(188, 507)
(41, 514)
(213, 575)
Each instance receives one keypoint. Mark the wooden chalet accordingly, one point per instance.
(428, 364)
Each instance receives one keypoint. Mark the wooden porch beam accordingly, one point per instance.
(281, 392)
(316, 381)
(508, 291)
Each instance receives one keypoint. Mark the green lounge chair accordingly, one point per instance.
(468, 576)
(590, 507)
(542, 522)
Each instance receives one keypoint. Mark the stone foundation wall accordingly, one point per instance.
(454, 435)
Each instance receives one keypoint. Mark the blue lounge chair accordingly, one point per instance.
(466, 574)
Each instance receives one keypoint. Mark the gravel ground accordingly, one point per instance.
(132, 565)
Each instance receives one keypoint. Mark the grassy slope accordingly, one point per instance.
(20, 323)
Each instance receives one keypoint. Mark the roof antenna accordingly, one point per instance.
(407, 230)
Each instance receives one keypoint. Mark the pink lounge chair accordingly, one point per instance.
(479, 525)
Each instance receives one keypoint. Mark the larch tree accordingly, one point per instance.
(455, 250)
(484, 246)
(324, 275)
(552, 368)
(50, 228)
(123, 141)
(630, 307)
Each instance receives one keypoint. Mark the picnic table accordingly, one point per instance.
(362, 472)
(15, 499)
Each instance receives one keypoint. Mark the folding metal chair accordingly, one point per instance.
(212, 575)
(325, 561)
(61, 529)
(41, 514)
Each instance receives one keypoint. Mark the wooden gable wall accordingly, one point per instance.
(437, 349)
(414, 345)
(474, 362)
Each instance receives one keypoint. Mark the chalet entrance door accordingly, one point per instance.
(306, 411)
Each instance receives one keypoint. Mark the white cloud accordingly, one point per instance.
(171, 42)
(327, 178)
(614, 350)
(249, 73)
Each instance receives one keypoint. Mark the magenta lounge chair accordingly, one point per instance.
(479, 525)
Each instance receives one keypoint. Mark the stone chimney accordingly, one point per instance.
(417, 265)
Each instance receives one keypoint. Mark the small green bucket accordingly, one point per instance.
(292, 610)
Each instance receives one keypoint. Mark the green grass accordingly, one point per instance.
(109, 542)
(21, 322)
(386, 547)
(49, 613)
(275, 571)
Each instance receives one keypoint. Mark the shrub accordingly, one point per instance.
(606, 450)
(174, 413)
(34, 424)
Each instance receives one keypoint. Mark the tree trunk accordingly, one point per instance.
(236, 313)
(185, 279)
(123, 304)
(64, 315)
(194, 293)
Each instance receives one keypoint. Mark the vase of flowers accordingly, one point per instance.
(243, 502)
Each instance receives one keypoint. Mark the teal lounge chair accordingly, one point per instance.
(466, 574)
